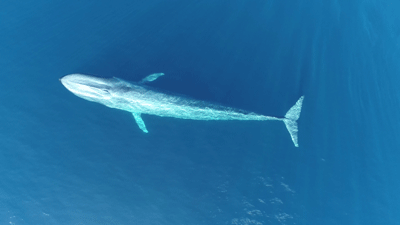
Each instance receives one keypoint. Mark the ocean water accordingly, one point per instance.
(64, 160)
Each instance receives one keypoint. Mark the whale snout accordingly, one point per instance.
(70, 81)
(87, 87)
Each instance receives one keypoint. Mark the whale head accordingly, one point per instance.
(88, 87)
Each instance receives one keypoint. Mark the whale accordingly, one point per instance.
(139, 98)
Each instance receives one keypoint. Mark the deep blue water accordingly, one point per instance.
(64, 160)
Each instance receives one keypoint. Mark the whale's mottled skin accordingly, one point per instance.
(139, 98)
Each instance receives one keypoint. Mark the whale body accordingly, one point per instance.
(138, 98)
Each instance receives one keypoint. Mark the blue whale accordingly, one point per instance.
(138, 98)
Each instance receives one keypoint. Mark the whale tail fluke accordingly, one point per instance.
(291, 118)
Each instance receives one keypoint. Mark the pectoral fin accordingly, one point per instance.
(140, 122)
(151, 77)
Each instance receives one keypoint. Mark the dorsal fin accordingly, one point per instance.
(151, 77)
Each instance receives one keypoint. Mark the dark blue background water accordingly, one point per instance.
(64, 160)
